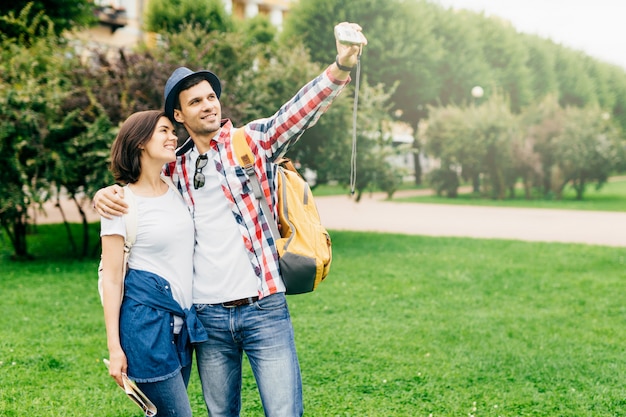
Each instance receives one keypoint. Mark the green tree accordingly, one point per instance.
(79, 149)
(474, 142)
(463, 64)
(576, 87)
(446, 130)
(526, 165)
(541, 63)
(25, 27)
(507, 57)
(600, 73)
(494, 129)
(31, 93)
(58, 119)
(542, 123)
(23, 20)
(257, 30)
(588, 150)
(617, 84)
(118, 84)
(171, 15)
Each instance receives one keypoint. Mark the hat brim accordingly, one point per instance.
(171, 96)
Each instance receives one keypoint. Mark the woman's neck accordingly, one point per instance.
(149, 184)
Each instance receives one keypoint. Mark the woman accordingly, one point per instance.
(148, 335)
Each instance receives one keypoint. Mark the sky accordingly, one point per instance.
(596, 27)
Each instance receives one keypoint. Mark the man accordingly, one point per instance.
(238, 292)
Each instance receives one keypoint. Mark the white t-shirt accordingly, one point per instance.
(164, 243)
(222, 269)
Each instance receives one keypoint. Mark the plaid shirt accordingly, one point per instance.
(269, 139)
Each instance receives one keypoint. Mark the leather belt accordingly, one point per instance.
(241, 302)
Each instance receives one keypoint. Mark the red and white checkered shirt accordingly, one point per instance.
(269, 139)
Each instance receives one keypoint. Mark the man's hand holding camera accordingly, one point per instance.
(350, 41)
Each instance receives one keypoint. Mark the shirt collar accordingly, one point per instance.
(220, 137)
(224, 132)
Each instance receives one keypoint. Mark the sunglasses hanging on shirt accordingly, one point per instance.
(198, 177)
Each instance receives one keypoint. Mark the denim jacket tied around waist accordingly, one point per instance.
(147, 328)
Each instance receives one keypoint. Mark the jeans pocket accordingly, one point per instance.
(272, 302)
(201, 307)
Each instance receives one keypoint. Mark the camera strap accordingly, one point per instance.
(354, 123)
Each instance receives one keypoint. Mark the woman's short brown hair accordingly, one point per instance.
(125, 151)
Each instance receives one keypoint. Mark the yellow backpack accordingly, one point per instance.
(303, 244)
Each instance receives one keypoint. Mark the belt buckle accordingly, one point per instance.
(231, 304)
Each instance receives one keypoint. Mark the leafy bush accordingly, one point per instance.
(171, 15)
(32, 89)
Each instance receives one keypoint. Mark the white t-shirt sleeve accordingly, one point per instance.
(114, 226)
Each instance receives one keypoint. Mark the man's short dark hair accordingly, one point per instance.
(186, 85)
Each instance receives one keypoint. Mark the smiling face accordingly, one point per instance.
(200, 111)
(161, 147)
(149, 129)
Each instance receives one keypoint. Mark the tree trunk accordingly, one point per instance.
(418, 167)
(17, 234)
(476, 183)
(579, 186)
(527, 188)
(68, 230)
(83, 216)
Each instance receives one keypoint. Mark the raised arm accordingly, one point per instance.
(277, 133)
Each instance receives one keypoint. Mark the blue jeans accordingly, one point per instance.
(263, 331)
(170, 395)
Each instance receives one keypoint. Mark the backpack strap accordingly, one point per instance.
(245, 157)
(168, 180)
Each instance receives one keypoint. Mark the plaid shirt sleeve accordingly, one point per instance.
(269, 139)
(275, 135)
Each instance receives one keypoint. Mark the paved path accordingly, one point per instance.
(373, 213)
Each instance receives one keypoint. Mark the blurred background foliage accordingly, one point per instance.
(546, 116)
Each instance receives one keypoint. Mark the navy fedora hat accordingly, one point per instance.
(173, 84)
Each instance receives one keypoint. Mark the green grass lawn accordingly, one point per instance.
(611, 197)
(403, 326)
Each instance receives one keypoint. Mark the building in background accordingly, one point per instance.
(275, 10)
(121, 21)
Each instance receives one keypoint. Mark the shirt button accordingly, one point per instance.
(257, 271)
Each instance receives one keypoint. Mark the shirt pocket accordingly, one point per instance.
(237, 181)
